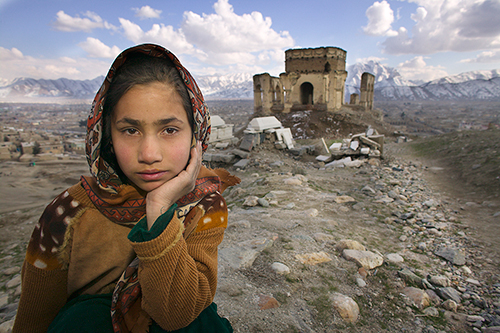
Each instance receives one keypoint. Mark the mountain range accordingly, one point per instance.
(389, 85)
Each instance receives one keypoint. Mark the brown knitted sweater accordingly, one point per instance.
(76, 250)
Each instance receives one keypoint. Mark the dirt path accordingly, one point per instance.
(480, 210)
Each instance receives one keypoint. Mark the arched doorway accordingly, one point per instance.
(278, 95)
(306, 93)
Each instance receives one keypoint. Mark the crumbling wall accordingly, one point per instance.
(366, 90)
(315, 60)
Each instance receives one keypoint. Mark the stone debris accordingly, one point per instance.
(419, 298)
(366, 259)
(394, 258)
(313, 258)
(347, 308)
(349, 244)
(454, 256)
(267, 302)
(280, 268)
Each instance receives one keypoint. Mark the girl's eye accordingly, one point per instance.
(170, 130)
(130, 131)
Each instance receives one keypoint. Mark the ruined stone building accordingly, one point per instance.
(366, 90)
(314, 79)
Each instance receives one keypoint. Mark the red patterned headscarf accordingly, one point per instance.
(106, 177)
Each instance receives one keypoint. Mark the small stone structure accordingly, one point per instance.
(220, 131)
(262, 128)
(314, 79)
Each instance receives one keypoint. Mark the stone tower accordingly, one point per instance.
(314, 79)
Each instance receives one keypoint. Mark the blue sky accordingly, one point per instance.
(423, 39)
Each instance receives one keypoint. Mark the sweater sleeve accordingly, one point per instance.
(179, 276)
(44, 279)
(44, 293)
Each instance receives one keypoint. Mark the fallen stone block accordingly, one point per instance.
(248, 142)
(285, 135)
(335, 146)
(354, 164)
(324, 158)
(264, 123)
(240, 153)
(366, 259)
(369, 142)
(241, 163)
(338, 163)
(354, 145)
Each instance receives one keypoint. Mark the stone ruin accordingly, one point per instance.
(353, 150)
(258, 130)
(314, 79)
(221, 132)
(262, 128)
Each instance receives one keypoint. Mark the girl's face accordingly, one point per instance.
(151, 135)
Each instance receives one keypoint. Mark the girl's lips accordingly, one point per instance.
(151, 175)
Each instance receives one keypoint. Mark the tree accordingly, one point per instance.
(36, 148)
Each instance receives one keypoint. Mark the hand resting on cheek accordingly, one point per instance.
(159, 200)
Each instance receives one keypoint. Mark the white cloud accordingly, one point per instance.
(417, 69)
(380, 18)
(443, 25)
(146, 12)
(65, 22)
(12, 54)
(164, 35)
(226, 32)
(97, 49)
(218, 39)
(222, 41)
(484, 57)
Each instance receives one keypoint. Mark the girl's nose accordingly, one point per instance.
(149, 151)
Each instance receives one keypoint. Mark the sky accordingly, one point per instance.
(75, 39)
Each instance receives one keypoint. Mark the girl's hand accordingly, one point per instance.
(160, 199)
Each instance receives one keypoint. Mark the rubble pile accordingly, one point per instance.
(354, 150)
(258, 130)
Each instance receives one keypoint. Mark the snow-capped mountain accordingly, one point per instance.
(389, 85)
(231, 86)
(24, 89)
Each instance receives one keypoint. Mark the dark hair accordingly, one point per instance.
(139, 69)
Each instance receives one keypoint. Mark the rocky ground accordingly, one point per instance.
(385, 247)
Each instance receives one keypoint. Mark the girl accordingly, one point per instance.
(146, 133)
